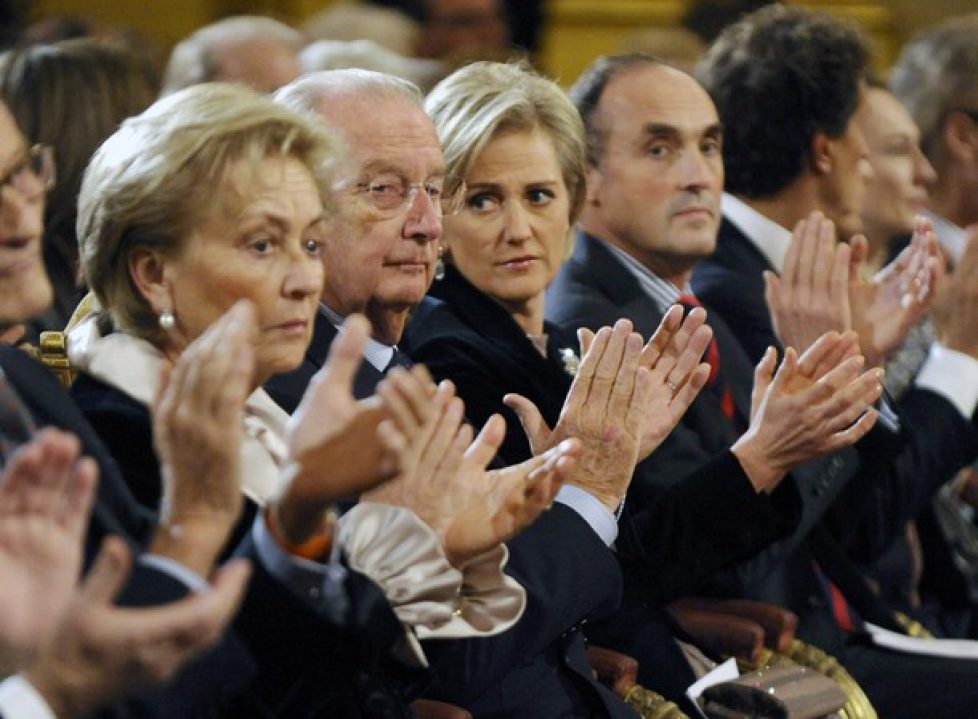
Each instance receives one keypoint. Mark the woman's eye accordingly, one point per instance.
(314, 247)
(482, 203)
(262, 247)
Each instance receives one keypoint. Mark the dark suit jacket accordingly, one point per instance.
(537, 669)
(675, 539)
(594, 288)
(287, 389)
(935, 440)
(298, 661)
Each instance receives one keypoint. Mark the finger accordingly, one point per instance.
(858, 253)
(581, 386)
(839, 278)
(13, 334)
(785, 372)
(346, 352)
(78, 499)
(534, 426)
(585, 337)
(687, 362)
(488, 442)
(824, 260)
(606, 372)
(682, 400)
(437, 445)
(109, 572)
(657, 345)
(772, 293)
(855, 432)
(815, 354)
(806, 259)
(790, 272)
(852, 401)
(623, 384)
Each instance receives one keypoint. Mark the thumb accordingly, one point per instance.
(763, 374)
(346, 351)
(531, 420)
(108, 573)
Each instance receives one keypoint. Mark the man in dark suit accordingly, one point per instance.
(652, 213)
(381, 261)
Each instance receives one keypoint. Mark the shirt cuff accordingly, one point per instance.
(319, 584)
(889, 419)
(173, 568)
(953, 375)
(20, 700)
(591, 510)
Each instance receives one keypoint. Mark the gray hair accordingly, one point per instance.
(309, 91)
(147, 185)
(936, 73)
(194, 59)
(368, 55)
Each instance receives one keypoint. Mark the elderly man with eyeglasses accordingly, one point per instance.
(380, 258)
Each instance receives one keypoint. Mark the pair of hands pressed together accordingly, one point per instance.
(411, 437)
(822, 288)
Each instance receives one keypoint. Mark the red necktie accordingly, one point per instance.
(716, 383)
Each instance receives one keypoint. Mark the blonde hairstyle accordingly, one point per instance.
(480, 101)
(154, 179)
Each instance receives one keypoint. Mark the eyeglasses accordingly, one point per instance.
(35, 167)
(389, 194)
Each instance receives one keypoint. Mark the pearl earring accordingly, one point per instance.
(167, 320)
(440, 264)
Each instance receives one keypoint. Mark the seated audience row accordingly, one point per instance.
(656, 333)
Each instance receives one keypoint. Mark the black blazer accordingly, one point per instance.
(287, 389)
(710, 520)
(594, 288)
(303, 662)
(935, 441)
(538, 668)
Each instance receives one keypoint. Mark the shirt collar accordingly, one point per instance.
(662, 292)
(770, 238)
(377, 354)
(952, 237)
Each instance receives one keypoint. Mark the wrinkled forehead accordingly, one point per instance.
(387, 134)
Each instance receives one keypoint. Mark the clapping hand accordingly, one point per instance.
(103, 651)
(327, 425)
(606, 408)
(45, 496)
(198, 427)
(809, 407)
(444, 479)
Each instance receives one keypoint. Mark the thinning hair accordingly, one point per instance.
(308, 92)
(590, 86)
